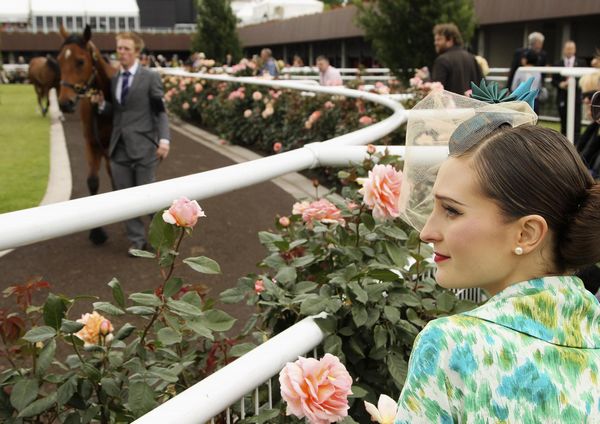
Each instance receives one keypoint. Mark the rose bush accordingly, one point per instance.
(155, 344)
(371, 276)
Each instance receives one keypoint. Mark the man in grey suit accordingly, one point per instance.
(140, 135)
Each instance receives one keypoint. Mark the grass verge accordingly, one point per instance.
(24, 142)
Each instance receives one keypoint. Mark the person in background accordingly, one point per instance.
(297, 61)
(268, 65)
(523, 74)
(568, 60)
(454, 67)
(328, 75)
(535, 42)
(140, 135)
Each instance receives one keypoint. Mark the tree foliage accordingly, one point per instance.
(217, 35)
(401, 30)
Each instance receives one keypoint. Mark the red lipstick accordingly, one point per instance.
(439, 257)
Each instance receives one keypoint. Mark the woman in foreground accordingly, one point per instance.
(515, 213)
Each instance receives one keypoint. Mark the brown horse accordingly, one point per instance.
(44, 74)
(84, 71)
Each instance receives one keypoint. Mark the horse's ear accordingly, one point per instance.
(87, 33)
(63, 32)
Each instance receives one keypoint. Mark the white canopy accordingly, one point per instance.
(124, 8)
(251, 12)
(14, 11)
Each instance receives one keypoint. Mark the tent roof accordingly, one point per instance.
(14, 11)
(84, 7)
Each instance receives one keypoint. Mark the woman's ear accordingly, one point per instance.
(532, 232)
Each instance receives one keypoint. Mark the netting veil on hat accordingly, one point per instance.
(444, 123)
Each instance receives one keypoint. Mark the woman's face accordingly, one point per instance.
(473, 243)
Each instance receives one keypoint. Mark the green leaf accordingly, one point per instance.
(141, 253)
(359, 315)
(359, 292)
(140, 310)
(393, 232)
(162, 235)
(445, 301)
(54, 311)
(266, 416)
(203, 264)
(70, 327)
(328, 324)
(303, 260)
(45, 358)
(397, 367)
(267, 238)
(217, 320)
(66, 391)
(110, 387)
(358, 391)
(412, 316)
(172, 286)
(73, 418)
(380, 336)
(146, 299)
(232, 295)
(287, 274)
(392, 314)
(167, 336)
(90, 413)
(91, 371)
(367, 219)
(39, 334)
(199, 328)
(39, 406)
(241, 349)
(117, 292)
(313, 305)
(396, 254)
(124, 331)
(333, 344)
(304, 287)
(141, 398)
(108, 307)
(183, 308)
(23, 393)
(164, 374)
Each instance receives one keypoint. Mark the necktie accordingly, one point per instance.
(124, 86)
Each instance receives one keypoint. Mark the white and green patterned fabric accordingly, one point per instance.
(531, 354)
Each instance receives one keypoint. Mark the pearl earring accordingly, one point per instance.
(518, 250)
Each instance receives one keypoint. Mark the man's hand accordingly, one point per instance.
(98, 99)
(163, 149)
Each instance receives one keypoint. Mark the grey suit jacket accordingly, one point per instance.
(142, 121)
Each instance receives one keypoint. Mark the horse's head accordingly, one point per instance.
(76, 60)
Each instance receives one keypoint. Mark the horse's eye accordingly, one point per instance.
(80, 62)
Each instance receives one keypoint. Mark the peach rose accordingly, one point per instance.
(247, 113)
(197, 88)
(257, 95)
(259, 286)
(381, 191)
(385, 412)
(183, 213)
(321, 210)
(94, 326)
(316, 389)
(329, 104)
(365, 120)
(371, 149)
(284, 221)
(185, 106)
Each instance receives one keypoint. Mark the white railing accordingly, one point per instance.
(46, 222)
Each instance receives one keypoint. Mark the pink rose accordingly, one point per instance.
(316, 389)
(210, 97)
(385, 412)
(371, 149)
(277, 147)
(183, 213)
(247, 113)
(185, 106)
(259, 286)
(321, 210)
(381, 191)
(257, 95)
(329, 104)
(284, 221)
(197, 88)
(365, 120)
(194, 99)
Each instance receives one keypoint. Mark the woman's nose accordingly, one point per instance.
(429, 233)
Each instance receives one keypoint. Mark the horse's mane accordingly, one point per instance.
(74, 39)
(53, 64)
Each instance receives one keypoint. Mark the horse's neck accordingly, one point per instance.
(105, 73)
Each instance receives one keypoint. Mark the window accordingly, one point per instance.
(121, 24)
(93, 22)
(79, 22)
(69, 24)
(131, 23)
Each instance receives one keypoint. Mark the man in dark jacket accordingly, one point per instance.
(455, 67)
(568, 60)
(535, 42)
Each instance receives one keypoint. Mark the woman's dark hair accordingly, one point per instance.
(534, 170)
(531, 57)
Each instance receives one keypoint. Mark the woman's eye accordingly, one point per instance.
(450, 211)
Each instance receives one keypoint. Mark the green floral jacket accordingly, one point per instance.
(531, 354)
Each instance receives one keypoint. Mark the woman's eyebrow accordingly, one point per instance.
(448, 199)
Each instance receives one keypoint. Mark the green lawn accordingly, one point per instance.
(24, 142)
(548, 124)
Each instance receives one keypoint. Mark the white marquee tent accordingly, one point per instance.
(256, 11)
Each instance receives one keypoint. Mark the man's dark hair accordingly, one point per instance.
(450, 32)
